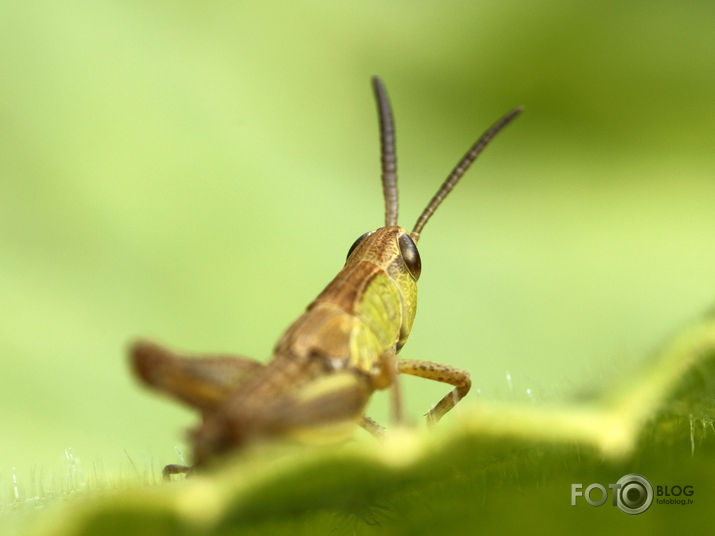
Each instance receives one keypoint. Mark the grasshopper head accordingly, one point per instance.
(392, 249)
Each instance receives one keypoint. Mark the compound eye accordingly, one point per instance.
(410, 255)
(355, 244)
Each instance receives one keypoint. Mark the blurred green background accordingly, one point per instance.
(195, 173)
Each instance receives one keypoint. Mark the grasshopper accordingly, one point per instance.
(337, 353)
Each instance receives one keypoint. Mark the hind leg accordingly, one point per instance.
(325, 409)
(203, 382)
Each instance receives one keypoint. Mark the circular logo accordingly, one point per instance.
(634, 494)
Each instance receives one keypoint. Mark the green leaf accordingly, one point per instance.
(497, 469)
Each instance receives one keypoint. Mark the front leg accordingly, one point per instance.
(372, 426)
(441, 373)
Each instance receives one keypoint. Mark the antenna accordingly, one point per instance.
(461, 169)
(387, 151)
